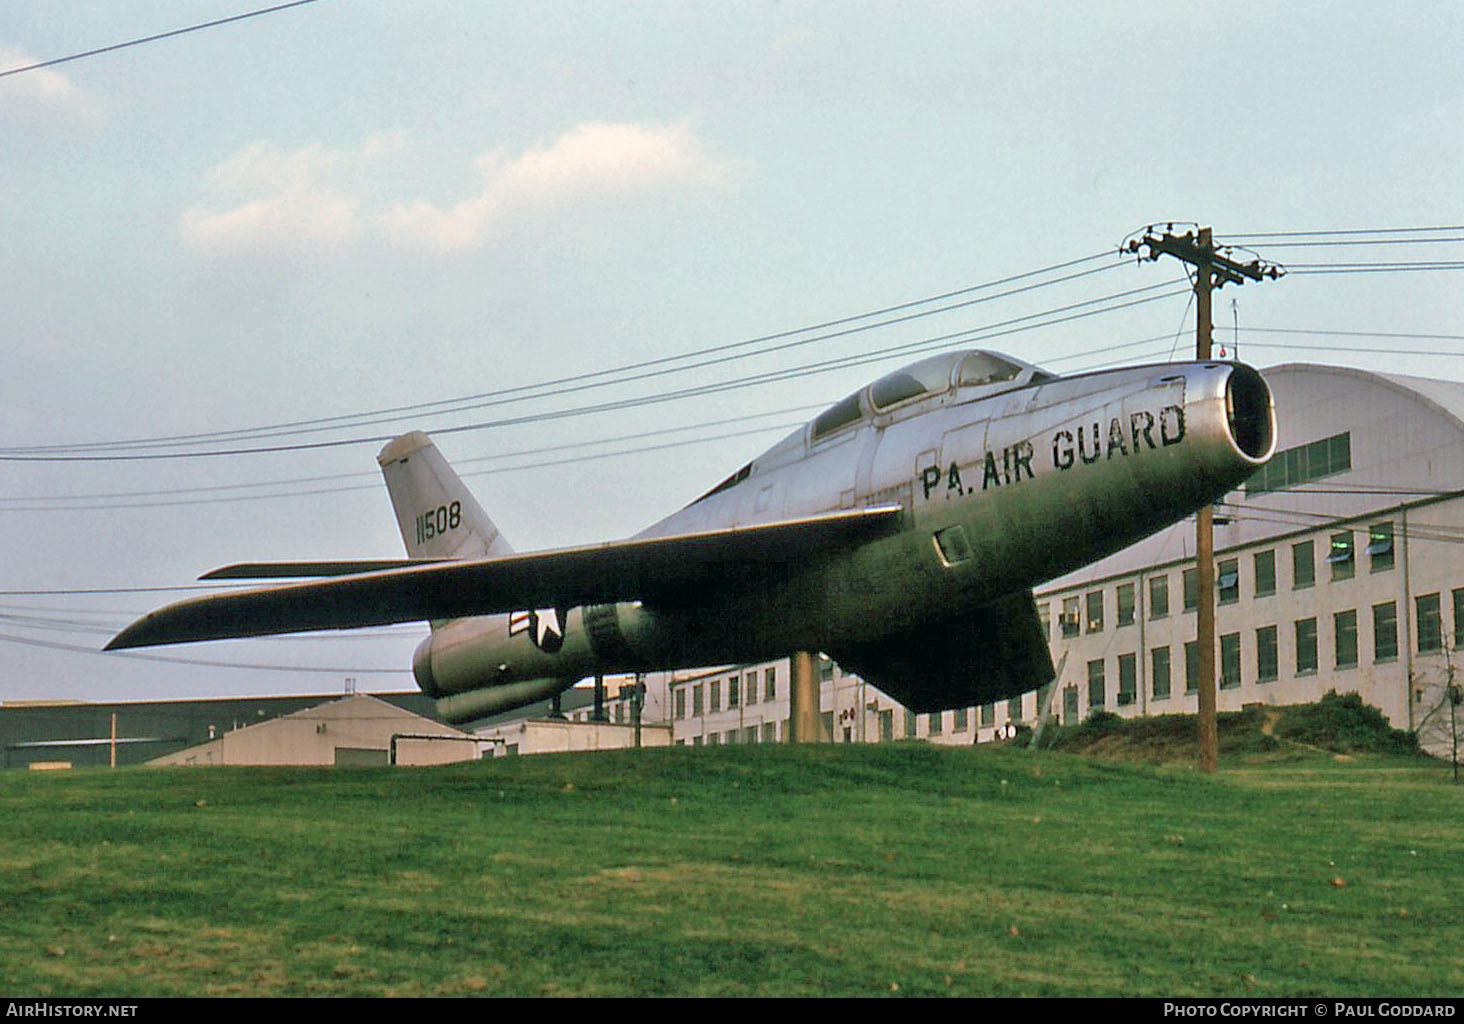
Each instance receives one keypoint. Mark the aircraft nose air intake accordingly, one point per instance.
(1250, 416)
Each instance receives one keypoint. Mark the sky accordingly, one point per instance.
(361, 207)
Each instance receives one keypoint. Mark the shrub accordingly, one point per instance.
(1344, 724)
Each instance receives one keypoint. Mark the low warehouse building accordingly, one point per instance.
(352, 732)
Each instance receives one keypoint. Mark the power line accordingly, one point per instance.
(1355, 334)
(537, 390)
(155, 38)
(1289, 347)
(1349, 243)
(841, 362)
(371, 487)
(253, 666)
(1354, 231)
(216, 488)
(1374, 268)
(69, 502)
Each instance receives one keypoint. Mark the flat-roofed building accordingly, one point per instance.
(354, 731)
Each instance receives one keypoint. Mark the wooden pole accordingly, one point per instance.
(1205, 540)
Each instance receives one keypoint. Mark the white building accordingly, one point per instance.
(1340, 566)
(749, 704)
(537, 730)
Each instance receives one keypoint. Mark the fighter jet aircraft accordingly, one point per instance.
(901, 532)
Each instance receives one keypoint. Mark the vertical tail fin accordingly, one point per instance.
(438, 516)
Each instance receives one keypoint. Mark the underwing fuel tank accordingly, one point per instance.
(482, 665)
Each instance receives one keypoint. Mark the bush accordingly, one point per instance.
(1344, 724)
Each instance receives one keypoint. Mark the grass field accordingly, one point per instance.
(834, 870)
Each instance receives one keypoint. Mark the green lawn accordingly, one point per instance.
(833, 870)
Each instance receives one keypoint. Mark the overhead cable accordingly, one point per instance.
(155, 38)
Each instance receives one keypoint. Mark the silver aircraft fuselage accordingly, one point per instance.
(1004, 477)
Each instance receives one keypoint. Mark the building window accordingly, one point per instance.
(1385, 631)
(770, 732)
(680, 704)
(909, 725)
(1158, 597)
(933, 722)
(1191, 589)
(1458, 615)
(696, 700)
(714, 695)
(1096, 694)
(1095, 612)
(1380, 547)
(1159, 674)
(1303, 566)
(1344, 565)
(1070, 705)
(1306, 647)
(751, 688)
(1014, 709)
(1227, 581)
(734, 691)
(1266, 655)
(962, 720)
(1302, 464)
(1071, 617)
(1126, 604)
(1128, 678)
(770, 684)
(1044, 615)
(1265, 573)
(1229, 661)
(1430, 624)
(1345, 626)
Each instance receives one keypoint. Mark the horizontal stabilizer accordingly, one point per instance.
(665, 569)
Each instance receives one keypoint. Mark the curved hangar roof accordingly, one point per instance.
(1349, 442)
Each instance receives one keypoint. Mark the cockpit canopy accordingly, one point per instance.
(933, 376)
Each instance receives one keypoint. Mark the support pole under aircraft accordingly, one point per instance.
(803, 724)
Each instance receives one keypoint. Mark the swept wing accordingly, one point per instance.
(647, 569)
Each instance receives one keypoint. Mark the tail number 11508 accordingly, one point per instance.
(438, 521)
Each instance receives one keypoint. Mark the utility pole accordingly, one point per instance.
(1213, 269)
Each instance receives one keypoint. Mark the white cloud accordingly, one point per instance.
(594, 159)
(267, 200)
(41, 99)
(316, 200)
